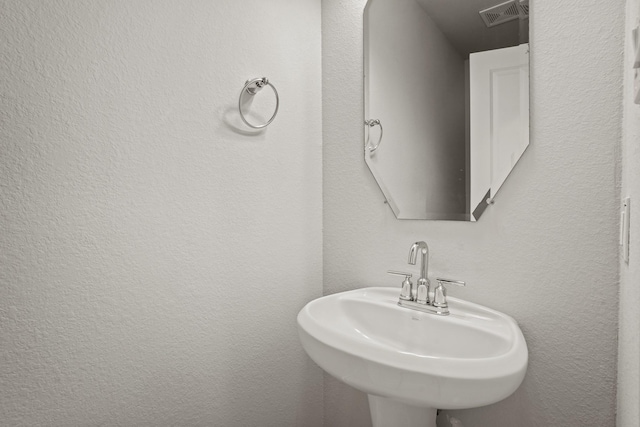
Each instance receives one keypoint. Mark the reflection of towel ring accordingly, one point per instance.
(252, 87)
(371, 123)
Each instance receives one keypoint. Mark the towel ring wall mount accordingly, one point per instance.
(371, 123)
(252, 87)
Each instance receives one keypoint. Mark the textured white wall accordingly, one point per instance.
(629, 333)
(545, 253)
(152, 256)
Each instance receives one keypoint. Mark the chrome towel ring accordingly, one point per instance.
(371, 123)
(252, 87)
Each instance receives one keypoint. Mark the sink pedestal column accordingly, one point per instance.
(386, 412)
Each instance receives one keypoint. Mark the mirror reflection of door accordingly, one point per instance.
(499, 84)
(418, 80)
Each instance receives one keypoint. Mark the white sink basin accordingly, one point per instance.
(473, 357)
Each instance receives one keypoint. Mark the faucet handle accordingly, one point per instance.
(400, 273)
(451, 282)
(440, 293)
(407, 286)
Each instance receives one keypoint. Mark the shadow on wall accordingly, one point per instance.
(232, 121)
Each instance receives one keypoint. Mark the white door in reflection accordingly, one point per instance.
(499, 85)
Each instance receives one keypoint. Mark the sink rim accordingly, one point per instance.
(512, 361)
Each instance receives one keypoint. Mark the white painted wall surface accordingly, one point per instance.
(546, 253)
(421, 106)
(152, 258)
(629, 333)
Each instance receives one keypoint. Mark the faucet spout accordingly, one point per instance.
(424, 258)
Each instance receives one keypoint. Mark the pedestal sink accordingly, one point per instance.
(412, 363)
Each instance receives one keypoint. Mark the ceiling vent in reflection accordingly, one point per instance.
(523, 7)
(505, 12)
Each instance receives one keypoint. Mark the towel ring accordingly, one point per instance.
(252, 87)
(371, 123)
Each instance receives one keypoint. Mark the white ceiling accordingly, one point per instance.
(460, 22)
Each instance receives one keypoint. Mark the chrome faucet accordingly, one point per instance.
(422, 294)
(420, 298)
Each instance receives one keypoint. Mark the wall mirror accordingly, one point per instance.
(446, 91)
